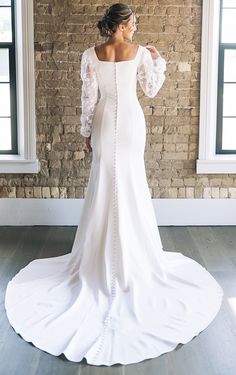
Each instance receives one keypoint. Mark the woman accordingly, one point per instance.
(118, 297)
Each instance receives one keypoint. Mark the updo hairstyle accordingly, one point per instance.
(114, 15)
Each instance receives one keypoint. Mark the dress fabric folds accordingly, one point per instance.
(118, 296)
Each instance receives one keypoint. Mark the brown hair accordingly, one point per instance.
(114, 15)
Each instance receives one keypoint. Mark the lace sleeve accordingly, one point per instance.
(150, 73)
(89, 94)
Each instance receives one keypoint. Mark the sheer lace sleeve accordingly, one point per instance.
(89, 94)
(150, 73)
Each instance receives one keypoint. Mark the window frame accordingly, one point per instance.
(25, 161)
(10, 46)
(208, 160)
(219, 126)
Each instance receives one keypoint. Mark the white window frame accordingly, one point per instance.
(208, 161)
(26, 160)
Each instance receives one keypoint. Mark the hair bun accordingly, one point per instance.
(113, 16)
(103, 27)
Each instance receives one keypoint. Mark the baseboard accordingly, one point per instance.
(169, 212)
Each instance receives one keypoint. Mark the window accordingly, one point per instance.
(226, 109)
(17, 91)
(217, 141)
(8, 129)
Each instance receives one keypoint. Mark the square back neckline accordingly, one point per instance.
(116, 62)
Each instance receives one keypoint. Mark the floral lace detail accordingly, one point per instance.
(89, 94)
(150, 73)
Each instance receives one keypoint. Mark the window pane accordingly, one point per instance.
(229, 134)
(5, 99)
(230, 65)
(5, 25)
(228, 34)
(229, 107)
(5, 2)
(229, 3)
(5, 134)
(4, 65)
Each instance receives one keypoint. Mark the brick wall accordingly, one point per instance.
(63, 29)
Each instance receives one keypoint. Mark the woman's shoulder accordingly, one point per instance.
(143, 48)
(87, 50)
(87, 53)
(143, 51)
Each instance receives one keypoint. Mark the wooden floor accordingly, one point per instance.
(212, 352)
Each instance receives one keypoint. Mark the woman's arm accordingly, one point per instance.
(150, 72)
(89, 94)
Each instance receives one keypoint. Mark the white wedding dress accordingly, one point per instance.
(118, 297)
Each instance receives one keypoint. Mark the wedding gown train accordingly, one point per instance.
(117, 297)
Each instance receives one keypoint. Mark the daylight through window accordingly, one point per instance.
(8, 121)
(226, 108)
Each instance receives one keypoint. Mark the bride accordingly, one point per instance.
(118, 296)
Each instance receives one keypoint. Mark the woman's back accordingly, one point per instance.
(116, 52)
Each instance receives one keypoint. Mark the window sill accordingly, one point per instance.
(15, 164)
(222, 165)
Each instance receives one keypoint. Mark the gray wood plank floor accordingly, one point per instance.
(212, 352)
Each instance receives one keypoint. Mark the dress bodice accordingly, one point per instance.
(117, 79)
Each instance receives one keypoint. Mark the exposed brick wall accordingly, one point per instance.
(63, 29)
